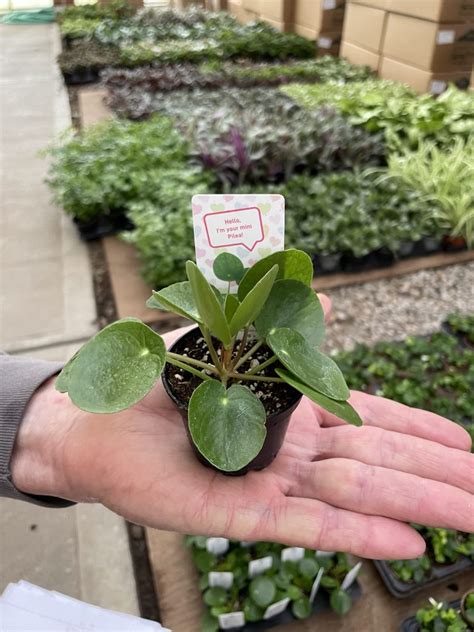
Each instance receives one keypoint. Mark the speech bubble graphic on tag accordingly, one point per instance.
(237, 227)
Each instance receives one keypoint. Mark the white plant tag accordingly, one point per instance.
(217, 546)
(324, 42)
(325, 553)
(315, 586)
(445, 37)
(231, 620)
(248, 226)
(223, 579)
(247, 543)
(292, 554)
(349, 579)
(328, 5)
(438, 86)
(276, 608)
(257, 567)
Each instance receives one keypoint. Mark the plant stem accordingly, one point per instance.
(241, 348)
(257, 378)
(262, 366)
(187, 367)
(186, 360)
(212, 351)
(249, 353)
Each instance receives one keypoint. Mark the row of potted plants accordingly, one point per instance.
(457, 616)
(265, 584)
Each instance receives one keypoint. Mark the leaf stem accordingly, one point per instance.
(187, 367)
(241, 348)
(212, 351)
(186, 360)
(249, 353)
(262, 366)
(257, 378)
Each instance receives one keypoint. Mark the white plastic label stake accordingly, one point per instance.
(445, 37)
(328, 5)
(292, 554)
(349, 579)
(315, 586)
(276, 608)
(247, 543)
(257, 567)
(438, 86)
(218, 546)
(221, 579)
(324, 42)
(324, 553)
(248, 226)
(231, 620)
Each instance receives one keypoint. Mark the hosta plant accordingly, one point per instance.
(255, 353)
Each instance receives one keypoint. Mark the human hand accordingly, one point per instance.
(332, 486)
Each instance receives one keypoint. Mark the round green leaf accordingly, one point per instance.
(294, 592)
(309, 365)
(228, 267)
(308, 567)
(252, 611)
(294, 305)
(343, 410)
(292, 264)
(301, 608)
(204, 560)
(216, 596)
(227, 426)
(340, 601)
(177, 298)
(251, 305)
(329, 582)
(209, 623)
(116, 368)
(262, 591)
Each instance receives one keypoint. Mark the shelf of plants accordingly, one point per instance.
(295, 584)
(435, 373)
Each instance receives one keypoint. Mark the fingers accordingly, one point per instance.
(317, 525)
(379, 491)
(393, 450)
(384, 413)
(326, 305)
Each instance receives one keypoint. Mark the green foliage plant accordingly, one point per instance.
(274, 305)
(440, 617)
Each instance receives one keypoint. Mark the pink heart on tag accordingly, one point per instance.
(200, 252)
(274, 241)
(275, 197)
(197, 209)
(228, 198)
(274, 219)
(209, 262)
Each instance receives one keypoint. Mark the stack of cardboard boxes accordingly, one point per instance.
(279, 13)
(424, 43)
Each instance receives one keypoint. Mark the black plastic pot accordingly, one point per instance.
(439, 573)
(431, 244)
(463, 607)
(103, 226)
(405, 249)
(277, 423)
(81, 76)
(454, 244)
(351, 263)
(412, 625)
(325, 264)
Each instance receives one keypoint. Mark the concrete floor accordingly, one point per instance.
(46, 310)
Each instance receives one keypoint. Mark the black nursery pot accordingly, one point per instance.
(276, 423)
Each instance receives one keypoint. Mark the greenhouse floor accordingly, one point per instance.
(47, 310)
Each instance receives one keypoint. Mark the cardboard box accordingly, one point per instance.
(251, 5)
(422, 80)
(428, 45)
(311, 17)
(277, 10)
(444, 11)
(364, 27)
(376, 4)
(329, 43)
(359, 56)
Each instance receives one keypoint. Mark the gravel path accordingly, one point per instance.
(391, 309)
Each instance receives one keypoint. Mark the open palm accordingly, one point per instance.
(332, 486)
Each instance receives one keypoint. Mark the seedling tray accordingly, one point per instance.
(439, 574)
(412, 625)
(321, 603)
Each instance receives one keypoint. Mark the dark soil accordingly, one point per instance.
(274, 396)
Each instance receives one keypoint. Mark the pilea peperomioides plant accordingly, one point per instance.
(237, 377)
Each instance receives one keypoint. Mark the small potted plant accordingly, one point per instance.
(436, 617)
(467, 608)
(236, 377)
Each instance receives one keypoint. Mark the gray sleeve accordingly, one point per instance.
(19, 378)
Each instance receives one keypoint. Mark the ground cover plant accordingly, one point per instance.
(286, 579)
(404, 118)
(252, 355)
(85, 54)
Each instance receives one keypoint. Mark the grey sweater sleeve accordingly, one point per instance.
(19, 378)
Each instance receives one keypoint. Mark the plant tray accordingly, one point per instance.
(321, 603)
(102, 227)
(439, 574)
(81, 76)
(411, 624)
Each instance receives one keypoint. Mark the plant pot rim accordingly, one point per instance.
(461, 605)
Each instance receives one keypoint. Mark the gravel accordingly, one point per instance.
(391, 309)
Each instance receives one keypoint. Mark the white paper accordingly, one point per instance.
(292, 554)
(324, 42)
(231, 620)
(220, 579)
(329, 4)
(315, 586)
(349, 579)
(445, 37)
(438, 86)
(218, 546)
(276, 608)
(257, 567)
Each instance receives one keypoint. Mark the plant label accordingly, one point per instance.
(349, 579)
(292, 554)
(247, 544)
(217, 546)
(315, 586)
(248, 226)
(221, 579)
(231, 620)
(445, 37)
(325, 553)
(276, 608)
(257, 567)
